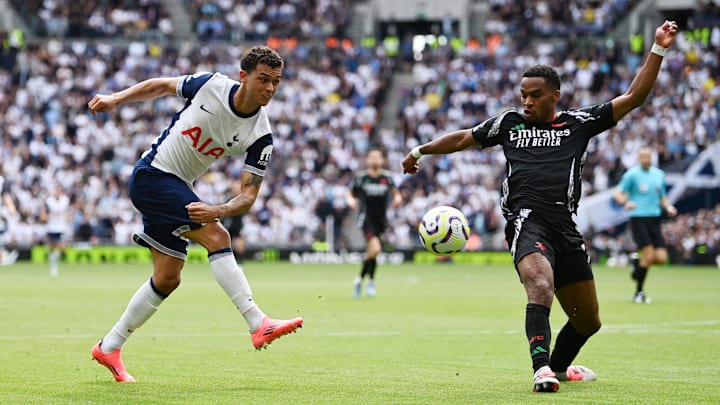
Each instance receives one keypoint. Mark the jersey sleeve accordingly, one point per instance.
(189, 85)
(258, 155)
(595, 119)
(488, 133)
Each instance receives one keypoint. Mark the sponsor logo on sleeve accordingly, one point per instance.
(265, 155)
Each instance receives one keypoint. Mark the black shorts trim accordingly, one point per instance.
(178, 249)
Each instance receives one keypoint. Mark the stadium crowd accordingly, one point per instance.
(254, 20)
(556, 17)
(141, 19)
(325, 117)
(695, 238)
(692, 238)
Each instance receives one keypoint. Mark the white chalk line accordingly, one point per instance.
(639, 328)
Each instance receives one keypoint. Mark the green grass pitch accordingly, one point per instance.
(435, 334)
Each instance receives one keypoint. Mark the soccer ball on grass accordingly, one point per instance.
(444, 230)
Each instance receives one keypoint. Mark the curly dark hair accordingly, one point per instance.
(546, 72)
(252, 57)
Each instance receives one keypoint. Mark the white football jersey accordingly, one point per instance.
(208, 128)
(57, 211)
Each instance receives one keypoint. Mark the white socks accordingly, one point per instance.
(141, 307)
(232, 279)
(146, 301)
(54, 259)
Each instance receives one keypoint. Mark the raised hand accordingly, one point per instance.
(665, 34)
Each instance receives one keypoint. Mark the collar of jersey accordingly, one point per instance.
(232, 105)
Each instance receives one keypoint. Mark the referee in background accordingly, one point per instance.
(642, 191)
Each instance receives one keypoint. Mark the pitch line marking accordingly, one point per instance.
(619, 328)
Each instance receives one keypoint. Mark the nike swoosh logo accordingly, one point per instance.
(202, 107)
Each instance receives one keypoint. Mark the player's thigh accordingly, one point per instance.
(212, 236)
(166, 266)
(575, 287)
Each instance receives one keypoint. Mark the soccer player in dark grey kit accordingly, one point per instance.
(545, 153)
(373, 190)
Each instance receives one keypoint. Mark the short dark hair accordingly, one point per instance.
(252, 57)
(377, 148)
(546, 72)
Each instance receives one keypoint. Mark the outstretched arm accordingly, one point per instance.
(645, 78)
(249, 189)
(448, 143)
(146, 90)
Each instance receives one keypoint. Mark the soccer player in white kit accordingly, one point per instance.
(221, 117)
(57, 207)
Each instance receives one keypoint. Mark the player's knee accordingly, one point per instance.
(373, 251)
(166, 283)
(537, 279)
(218, 238)
(589, 326)
(660, 257)
(539, 290)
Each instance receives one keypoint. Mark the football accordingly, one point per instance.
(444, 230)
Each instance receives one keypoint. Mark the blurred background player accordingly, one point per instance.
(57, 208)
(7, 209)
(372, 190)
(221, 117)
(7, 257)
(545, 151)
(642, 191)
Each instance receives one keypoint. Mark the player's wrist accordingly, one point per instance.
(658, 50)
(415, 152)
